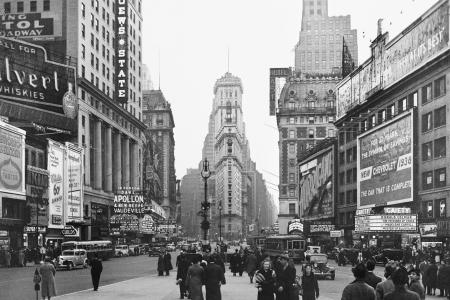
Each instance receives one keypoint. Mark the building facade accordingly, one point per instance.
(160, 124)
(396, 112)
(191, 194)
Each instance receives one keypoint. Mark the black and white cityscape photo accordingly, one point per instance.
(224, 149)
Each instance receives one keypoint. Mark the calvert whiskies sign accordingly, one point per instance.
(28, 78)
(121, 57)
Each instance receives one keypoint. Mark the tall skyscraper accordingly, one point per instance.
(305, 99)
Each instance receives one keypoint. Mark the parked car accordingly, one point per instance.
(388, 254)
(133, 250)
(154, 251)
(320, 267)
(121, 250)
(70, 259)
(170, 247)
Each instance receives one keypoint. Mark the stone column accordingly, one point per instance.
(87, 152)
(108, 160)
(117, 164)
(98, 154)
(132, 164)
(126, 161)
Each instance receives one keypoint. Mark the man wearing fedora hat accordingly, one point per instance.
(359, 289)
(286, 279)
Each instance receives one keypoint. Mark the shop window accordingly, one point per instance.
(427, 151)
(427, 122)
(440, 177)
(439, 117)
(427, 180)
(292, 208)
(439, 147)
(426, 94)
(439, 87)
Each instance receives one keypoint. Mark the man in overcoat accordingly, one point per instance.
(214, 278)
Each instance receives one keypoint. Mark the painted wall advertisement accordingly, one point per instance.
(278, 78)
(317, 187)
(28, 78)
(12, 159)
(37, 195)
(32, 26)
(55, 166)
(73, 183)
(385, 164)
(121, 57)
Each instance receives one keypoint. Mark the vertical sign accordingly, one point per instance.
(278, 78)
(74, 173)
(56, 184)
(37, 195)
(121, 63)
(12, 159)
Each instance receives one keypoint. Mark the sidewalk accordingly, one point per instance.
(163, 288)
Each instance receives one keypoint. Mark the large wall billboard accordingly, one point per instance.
(385, 163)
(12, 159)
(73, 183)
(278, 78)
(121, 58)
(35, 26)
(37, 195)
(55, 166)
(317, 186)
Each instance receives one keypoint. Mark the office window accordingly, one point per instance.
(440, 177)
(439, 147)
(355, 175)
(349, 176)
(412, 99)
(341, 198)
(292, 208)
(291, 148)
(83, 31)
(342, 178)
(390, 111)
(291, 134)
(427, 180)
(429, 209)
(291, 193)
(7, 7)
(92, 39)
(439, 87)
(442, 207)
(426, 94)
(83, 71)
(342, 157)
(427, 151)
(311, 104)
(292, 177)
(20, 6)
(92, 59)
(92, 20)
(439, 117)
(83, 10)
(427, 122)
(291, 121)
(291, 163)
(96, 63)
(311, 133)
(349, 197)
(402, 105)
(83, 51)
(350, 157)
(46, 5)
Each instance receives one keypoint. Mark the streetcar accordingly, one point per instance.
(256, 241)
(104, 249)
(294, 245)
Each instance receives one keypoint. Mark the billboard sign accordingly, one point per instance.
(31, 25)
(55, 166)
(385, 163)
(28, 78)
(386, 223)
(121, 57)
(317, 186)
(73, 183)
(321, 228)
(428, 230)
(37, 195)
(12, 159)
(129, 208)
(278, 78)
(295, 226)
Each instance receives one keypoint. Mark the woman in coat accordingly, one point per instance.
(47, 271)
(265, 281)
(309, 284)
(194, 280)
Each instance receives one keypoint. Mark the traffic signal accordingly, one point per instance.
(206, 205)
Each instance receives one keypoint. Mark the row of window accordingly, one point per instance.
(435, 209)
(439, 147)
(348, 177)
(439, 116)
(310, 120)
(311, 134)
(349, 197)
(347, 156)
(434, 179)
(428, 93)
(21, 6)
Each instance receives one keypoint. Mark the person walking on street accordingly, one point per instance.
(431, 275)
(182, 269)
(251, 265)
(161, 264)
(214, 278)
(423, 267)
(242, 260)
(310, 286)
(96, 271)
(371, 279)
(167, 262)
(359, 289)
(265, 281)
(48, 272)
(400, 279)
(286, 280)
(194, 280)
(415, 284)
(7, 259)
(386, 286)
(235, 262)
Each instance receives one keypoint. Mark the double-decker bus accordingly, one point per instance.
(276, 245)
(104, 249)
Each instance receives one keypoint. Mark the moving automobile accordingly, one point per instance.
(70, 259)
(388, 254)
(320, 267)
(104, 249)
(121, 250)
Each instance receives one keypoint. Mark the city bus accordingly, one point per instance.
(104, 249)
(276, 245)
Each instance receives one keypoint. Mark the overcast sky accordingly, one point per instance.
(190, 38)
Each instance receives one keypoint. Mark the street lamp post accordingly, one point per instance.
(205, 173)
(220, 221)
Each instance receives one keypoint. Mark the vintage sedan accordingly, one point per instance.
(70, 259)
(320, 267)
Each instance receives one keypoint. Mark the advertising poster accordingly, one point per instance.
(12, 159)
(344, 98)
(365, 80)
(37, 195)
(317, 188)
(426, 39)
(55, 163)
(73, 185)
(385, 164)
(321, 228)
(428, 230)
(129, 208)
(31, 26)
(147, 225)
